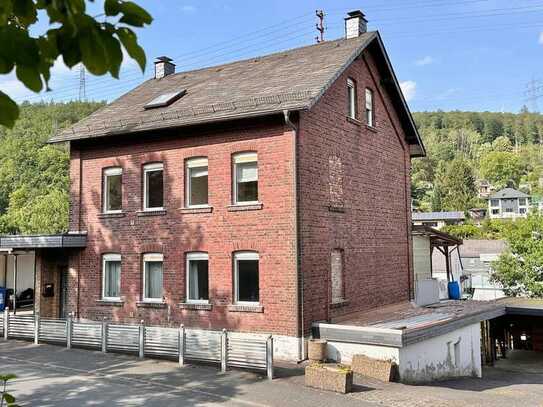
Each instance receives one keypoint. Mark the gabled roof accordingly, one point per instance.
(290, 80)
(508, 193)
(428, 216)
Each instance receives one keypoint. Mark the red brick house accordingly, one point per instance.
(243, 196)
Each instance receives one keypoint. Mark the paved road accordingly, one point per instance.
(54, 376)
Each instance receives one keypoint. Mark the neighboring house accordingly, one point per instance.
(484, 188)
(438, 219)
(477, 214)
(508, 204)
(243, 196)
(477, 257)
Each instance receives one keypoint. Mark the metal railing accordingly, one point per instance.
(229, 349)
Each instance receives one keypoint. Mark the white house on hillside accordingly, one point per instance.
(508, 204)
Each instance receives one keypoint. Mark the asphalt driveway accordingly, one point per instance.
(54, 376)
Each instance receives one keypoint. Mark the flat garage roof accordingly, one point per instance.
(67, 240)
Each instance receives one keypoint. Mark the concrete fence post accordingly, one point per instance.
(6, 323)
(224, 350)
(104, 336)
(36, 328)
(181, 343)
(69, 331)
(269, 357)
(141, 339)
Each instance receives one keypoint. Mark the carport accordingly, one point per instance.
(32, 267)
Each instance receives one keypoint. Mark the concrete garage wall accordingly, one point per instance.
(343, 352)
(452, 355)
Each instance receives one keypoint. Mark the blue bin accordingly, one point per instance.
(2, 299)
(454, 290)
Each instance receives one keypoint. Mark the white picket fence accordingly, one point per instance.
(228, 349)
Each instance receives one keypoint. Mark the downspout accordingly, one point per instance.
(299, 274)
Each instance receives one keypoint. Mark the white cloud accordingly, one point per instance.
(188, 9)
(541, 37)
(409, 88)
(427, 60)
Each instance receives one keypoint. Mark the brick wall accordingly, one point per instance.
(270, 231)
(368, 215)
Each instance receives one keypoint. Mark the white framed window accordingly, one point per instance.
(522, 201)
(495, 211)
(245, 178)
(494, 202)
(153, 264)
(197, 277)
(153, 187)
(246, 278)
(196, 170)
(522, 211)
(351, 98)
(111, 277)
(369, 108)
(112, 192)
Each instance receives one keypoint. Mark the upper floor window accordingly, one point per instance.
(197, 188)
(153, 187)
(112, 193)
(246, 278)
(152, 276)
(197, 277)
(245, 178)
(351, 98)
(111, 276)
(522, 201)
(494, 202)
(369, 108)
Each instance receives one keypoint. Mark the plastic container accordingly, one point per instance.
(454, 290)
(2, 299)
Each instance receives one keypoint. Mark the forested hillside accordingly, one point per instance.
(34, 175)
(464, 147)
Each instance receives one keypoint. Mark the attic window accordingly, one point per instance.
(165, 99)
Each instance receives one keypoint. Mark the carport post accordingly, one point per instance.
(104, 336)
(224, 350)
(15, 284)
(269, 357)
(181, 342)
(69, 331)
(36, 328)
(141, 339)
(6, 323)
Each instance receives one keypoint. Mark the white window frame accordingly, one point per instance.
(107, 258)
(195, 256)
(246, 255)
(110, 172)
(152, 257)
(146, 169)
(351, 98)
(369, 105)
(241, 158)
(196, 162)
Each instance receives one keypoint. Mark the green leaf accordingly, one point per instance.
(5, 65)
(112, 7)
(93, 54)
(25, 11)
(30, 76)
(9, 398)
(134, 15)
(130, 43)
(113, 52)
(9, 113)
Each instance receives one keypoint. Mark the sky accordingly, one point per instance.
(451, 55)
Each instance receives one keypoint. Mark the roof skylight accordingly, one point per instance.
(165, 99)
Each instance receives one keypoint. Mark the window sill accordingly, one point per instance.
(245, 207)
(354, 121)
(203, 209)
(110, 303)
(372, 128)
(195, 306)
(160, 212)
(246, 308)
(150, 304)
(106, 215)
(339, 209)
(339, 304)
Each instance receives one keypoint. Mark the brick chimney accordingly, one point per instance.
(355, 24)
(164, 67)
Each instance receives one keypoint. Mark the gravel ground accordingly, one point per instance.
(54, 376)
